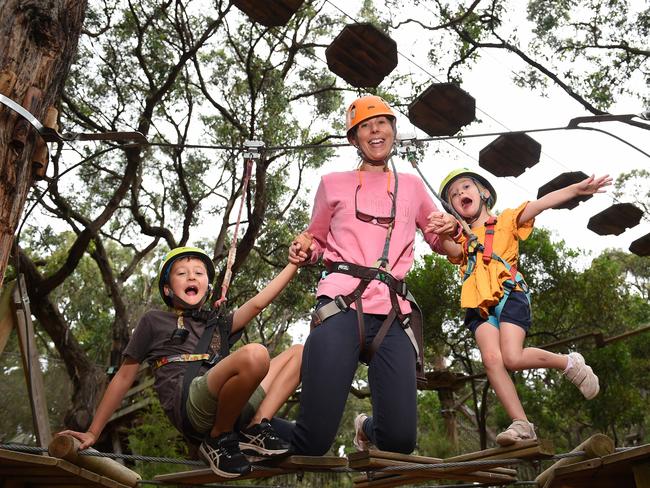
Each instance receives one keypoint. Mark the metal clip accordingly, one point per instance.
(253, 149)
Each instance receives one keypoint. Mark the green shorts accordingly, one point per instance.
(201, 405)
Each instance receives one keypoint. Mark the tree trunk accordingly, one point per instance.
(37, 43)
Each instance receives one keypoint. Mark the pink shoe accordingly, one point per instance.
(519, 430)
(582, 376)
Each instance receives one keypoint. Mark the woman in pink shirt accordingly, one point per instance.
(363, 226)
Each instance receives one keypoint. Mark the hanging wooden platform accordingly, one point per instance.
(641, 247)
(625, 469)
(561, 181)
(510, 154)
(615, 219)
(21, 470)
(496, 473)
(263, 469)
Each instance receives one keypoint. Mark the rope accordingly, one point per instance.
(232, 253)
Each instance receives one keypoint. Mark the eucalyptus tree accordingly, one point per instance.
(184, 74)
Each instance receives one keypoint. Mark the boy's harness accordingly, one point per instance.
(411, 323)
(472, 246)
(214, 321)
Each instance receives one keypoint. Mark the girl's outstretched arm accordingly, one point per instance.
(588, 186)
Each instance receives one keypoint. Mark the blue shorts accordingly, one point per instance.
(515, 311)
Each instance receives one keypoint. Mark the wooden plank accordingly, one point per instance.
(537, 449)
(387, 480)
(130, 409)
(629, 455)
(375, 458)
(261, 469)
(43, 471)
(641, 475)
(7, 318)
(31, 363)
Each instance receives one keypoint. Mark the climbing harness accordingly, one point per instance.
(412, 323)
(213, 318)
(252, 154)
(407, 147)
(473, 246)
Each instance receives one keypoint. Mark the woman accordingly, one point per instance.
(363, 225)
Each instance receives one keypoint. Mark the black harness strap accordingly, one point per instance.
(212, 319)
(396, 288)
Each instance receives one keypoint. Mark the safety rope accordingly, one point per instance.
(253, 149)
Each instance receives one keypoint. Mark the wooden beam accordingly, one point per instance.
(20, 470)
(7, 317)
(598, 445)
(31, 363)
(67, 447)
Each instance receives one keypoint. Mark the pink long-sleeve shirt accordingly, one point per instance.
(340, 236)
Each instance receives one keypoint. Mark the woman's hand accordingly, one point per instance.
(301, 248)
(442, 223)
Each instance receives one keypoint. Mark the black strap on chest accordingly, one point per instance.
(341, 303)
(213, 319)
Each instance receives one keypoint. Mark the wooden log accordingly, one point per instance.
(7, 82)
(40, 157)
(67, 447)
(597, 445)
(31, 102)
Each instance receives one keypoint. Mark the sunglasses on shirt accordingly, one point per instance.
(364, 217)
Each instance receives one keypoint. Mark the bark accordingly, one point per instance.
(38, 41)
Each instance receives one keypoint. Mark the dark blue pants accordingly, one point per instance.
(329, 362)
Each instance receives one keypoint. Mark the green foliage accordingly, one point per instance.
(153, 435)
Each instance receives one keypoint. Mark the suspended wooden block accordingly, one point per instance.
(270, 13)
(362, 55)
(562, 181)
(510, 154)
(442, 109)
(641, 247)
(615, 219)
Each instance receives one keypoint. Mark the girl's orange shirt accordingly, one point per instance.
(484, 287)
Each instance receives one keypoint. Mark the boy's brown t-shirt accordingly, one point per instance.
(150, 341)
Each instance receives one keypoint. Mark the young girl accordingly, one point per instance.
(495, 294)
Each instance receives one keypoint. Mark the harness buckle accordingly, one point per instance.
(212, 360)
(340, 302)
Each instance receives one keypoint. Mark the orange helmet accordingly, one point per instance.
(365, 108)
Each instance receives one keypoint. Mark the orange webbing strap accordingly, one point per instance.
(183, 358)
(489, 237)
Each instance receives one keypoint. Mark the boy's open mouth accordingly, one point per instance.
(191, 290)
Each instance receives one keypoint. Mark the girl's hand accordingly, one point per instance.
(442, 223)
(592, 185)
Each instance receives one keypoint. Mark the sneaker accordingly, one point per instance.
(262, 439)
(582, 376)
(223, 455)
(519, 430)
(361, 441)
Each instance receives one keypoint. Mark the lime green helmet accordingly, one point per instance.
(177, 253)
(467, 173)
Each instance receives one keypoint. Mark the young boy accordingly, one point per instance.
(245, 382)
(494, 294)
